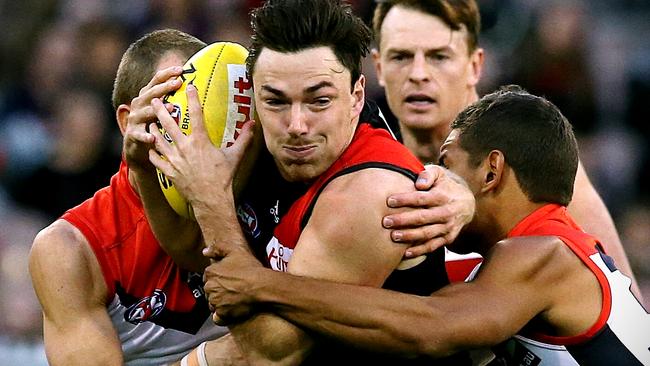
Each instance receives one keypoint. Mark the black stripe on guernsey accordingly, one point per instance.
(188, 322)
(371, 113)
(355, 168)
(609, 262)
(604, 349)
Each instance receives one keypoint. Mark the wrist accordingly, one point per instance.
(268, 290)
(215, 208)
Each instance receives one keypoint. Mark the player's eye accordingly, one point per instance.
(322, 101)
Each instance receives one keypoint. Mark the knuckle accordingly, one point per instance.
(445, 212)
(434, 196)
(159, 74)
(430, 232)
(429, 169)
(421, 218)
(421, 199)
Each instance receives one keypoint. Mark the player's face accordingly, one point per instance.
(454, 158)
(426, 69)
(307, 110)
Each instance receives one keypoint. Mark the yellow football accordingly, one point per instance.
(219, 73)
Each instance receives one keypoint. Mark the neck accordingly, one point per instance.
(504, 217)
(132, 181)
(512, 217)
(425, 143)
(502, 208)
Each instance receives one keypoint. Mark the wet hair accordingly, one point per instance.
(138, 64)
(294, 25)
(536, 139)
(454, 13)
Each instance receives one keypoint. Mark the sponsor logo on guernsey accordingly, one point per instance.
(195, 282)
(278, 255)
(275, 211)
(248, 218)
(521, 355)
(241, 107)
(147, 308)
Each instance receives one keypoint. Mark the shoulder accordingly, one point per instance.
(352, 205)
(346, 220)
(60, 255)
(60, 238)
(367, 186)
(531, 272)
(533, 258)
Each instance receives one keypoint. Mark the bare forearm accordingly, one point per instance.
(222, 352)
(266, 339)
(262, 338)
(387, 321)
(86, 342)
(219, 225)
(179, 237)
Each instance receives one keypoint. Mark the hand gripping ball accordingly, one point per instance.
(219, 73)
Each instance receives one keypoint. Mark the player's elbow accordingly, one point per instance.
(444, 339)
(473, 334)
(436, 347)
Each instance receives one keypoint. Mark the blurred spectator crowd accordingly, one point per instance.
(61, 142)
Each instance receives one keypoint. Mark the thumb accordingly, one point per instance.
(428, 177)
(236, 152)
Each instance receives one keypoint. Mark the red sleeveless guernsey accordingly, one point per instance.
(620, 336)
(158, 310)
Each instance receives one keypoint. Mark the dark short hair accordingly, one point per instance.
(294, 25)
(536, 139)
(138, 64)
(455, 14)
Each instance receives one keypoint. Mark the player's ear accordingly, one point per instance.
(376, 60)
(476, 67)
(494, 165)
(358, 95)
(122, 116)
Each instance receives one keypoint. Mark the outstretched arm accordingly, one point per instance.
(70, 287)
(510, 290)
